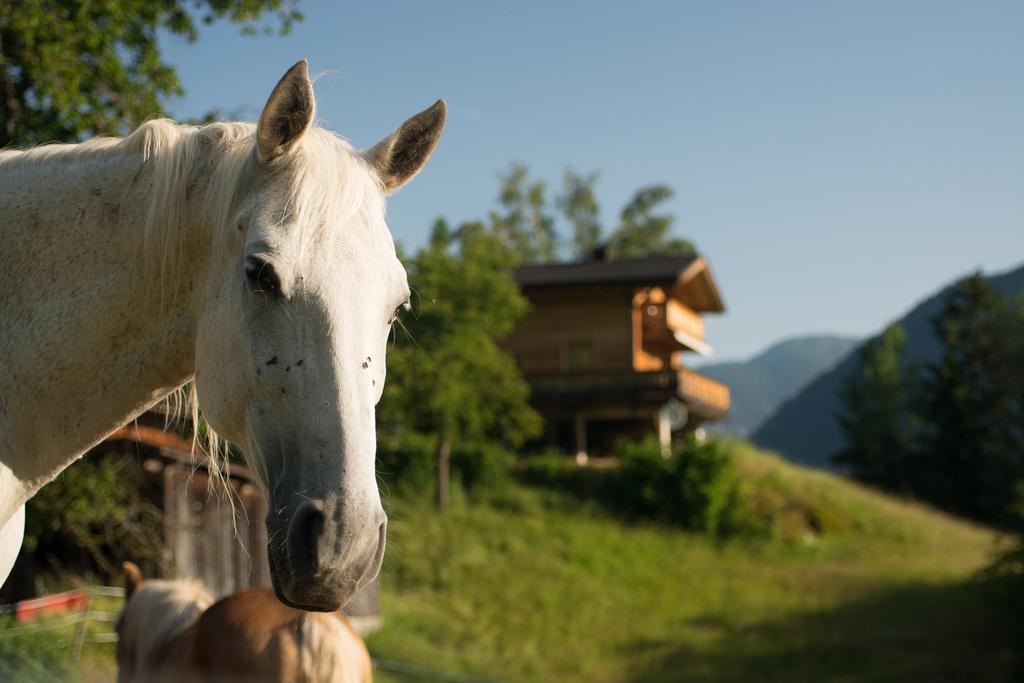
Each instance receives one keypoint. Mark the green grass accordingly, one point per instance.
(529, 584)
(41, 651)
(532, 585)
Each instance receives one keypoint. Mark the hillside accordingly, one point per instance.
(529, 585)
(760, 385)
(804, 428)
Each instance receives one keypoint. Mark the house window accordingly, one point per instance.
(579, 355)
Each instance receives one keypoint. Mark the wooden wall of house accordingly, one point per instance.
(574, 329)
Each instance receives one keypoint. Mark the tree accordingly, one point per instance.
(452, 381)
(71, 69)
(524, 222)
(641, 233)
(578, 204)
(95, 514)
(876, 418)
(974, 445)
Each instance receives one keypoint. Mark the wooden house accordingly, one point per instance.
(604, 346)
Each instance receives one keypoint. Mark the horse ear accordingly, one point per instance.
(401, 155)
(132, 578)
(287, 115)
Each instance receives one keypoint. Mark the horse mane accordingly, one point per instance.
(329, 182)
(327, 645)
(157, 612)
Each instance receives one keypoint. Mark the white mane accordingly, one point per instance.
(329, 181)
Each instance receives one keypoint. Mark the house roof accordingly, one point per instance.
(688, 277)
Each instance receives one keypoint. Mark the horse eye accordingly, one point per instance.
(261, 276)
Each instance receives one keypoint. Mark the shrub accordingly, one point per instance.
(481, 467)
(407, 463)
(696, 487)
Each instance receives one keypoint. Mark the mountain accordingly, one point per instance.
(760, 385)
(804, 428)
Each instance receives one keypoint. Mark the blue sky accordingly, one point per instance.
(835, 161)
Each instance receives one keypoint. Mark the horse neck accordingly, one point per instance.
(88, 343)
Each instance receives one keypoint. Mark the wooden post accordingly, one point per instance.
(579, 422)
(664, 432)
(76, 648)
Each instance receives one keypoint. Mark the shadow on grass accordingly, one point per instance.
(971, 632)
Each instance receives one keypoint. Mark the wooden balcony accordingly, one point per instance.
(682, 319)
(663, 326)
(628, 393)
(703, 394)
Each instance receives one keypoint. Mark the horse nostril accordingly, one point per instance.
(304, 534)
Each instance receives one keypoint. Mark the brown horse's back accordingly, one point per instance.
(251, 637)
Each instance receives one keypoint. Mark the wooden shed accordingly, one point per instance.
(603, 348)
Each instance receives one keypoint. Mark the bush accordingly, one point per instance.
(97, 513)
(407, 462)
(481, 468)
(696, 487)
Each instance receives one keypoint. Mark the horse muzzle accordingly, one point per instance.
(324, 552)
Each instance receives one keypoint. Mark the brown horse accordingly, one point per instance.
(173, 632)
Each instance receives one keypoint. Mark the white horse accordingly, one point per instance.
(252, 258)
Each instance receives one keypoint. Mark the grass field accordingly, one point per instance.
(531, 585)
(528, 584)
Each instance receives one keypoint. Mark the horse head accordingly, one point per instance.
(290, 343)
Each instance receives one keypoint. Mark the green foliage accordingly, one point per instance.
(95, 513)
(974, 406)
(578, 204)
(71, 69)
(525, 221)
(642, 233)
(406, 464)
(696, 487)
(949, 433)
(877, 419)
(482, 467)
(34, 656)
(405, 459)
(451, 377)
(498, 588)
(451, 381)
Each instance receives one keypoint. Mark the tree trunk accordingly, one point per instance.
(443, 457)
